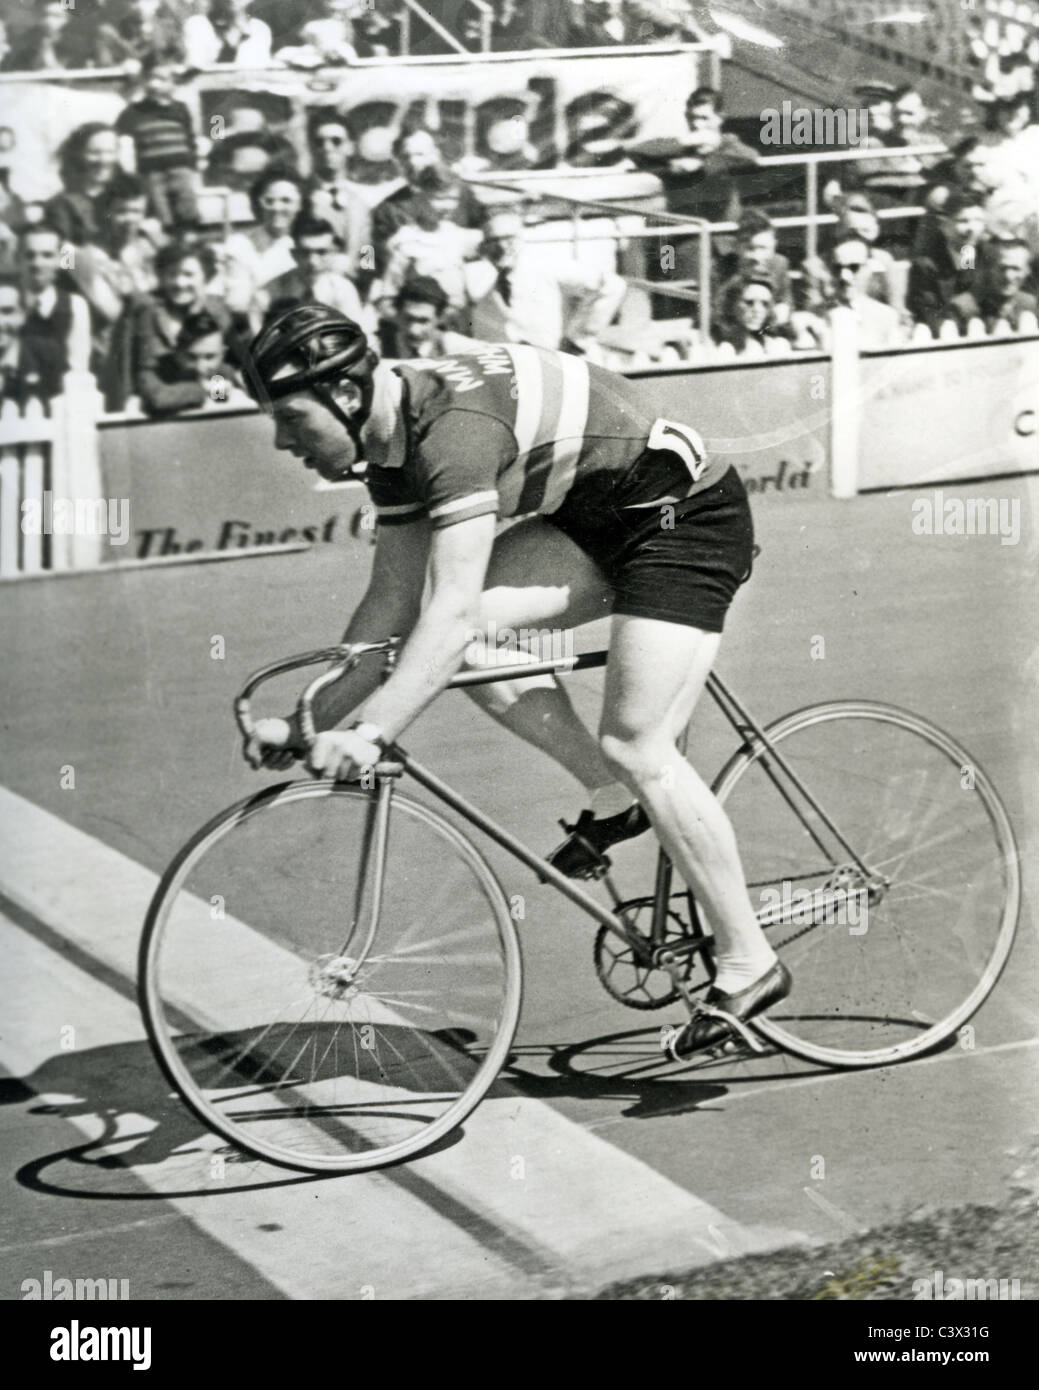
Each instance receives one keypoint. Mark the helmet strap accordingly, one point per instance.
(351, 424)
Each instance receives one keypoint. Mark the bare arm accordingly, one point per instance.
(458, 558)
(390, 606)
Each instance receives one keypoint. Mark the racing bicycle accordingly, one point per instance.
(330, 973)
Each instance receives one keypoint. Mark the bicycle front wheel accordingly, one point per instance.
(311, 1013)
(896, 943)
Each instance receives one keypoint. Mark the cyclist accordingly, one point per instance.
(622, 513)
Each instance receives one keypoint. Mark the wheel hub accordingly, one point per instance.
(849, 878)
(336, 977)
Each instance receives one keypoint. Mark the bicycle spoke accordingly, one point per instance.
(905, 968)
(302, 1052)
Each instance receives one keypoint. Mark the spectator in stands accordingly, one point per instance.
(419, 328)
(962, 171)
(371, 164)
(700, 173)
(520, 25)
(951, 253)
(235, 163)
(13, 209)
(428, 244)
(881, 278)
(748, 328)
(256, 256)
(700, 170)
(897, 181)
(323, 40)
(1011, 168)
(429, 178)
(120, 265)
(840, 284)
(330, 192)
(376, 34)
(1001, 297)
(87, 162)
(911, 118)
(599, 24)
(756, 255)
(517, 293)
(26, 371)
(150, 329)
(165, 150)
(48, 44)
(665, 21)
(130, 239)
(197, 373)
(227, 34)
(314, 279)
(57, 320)
(145, 30)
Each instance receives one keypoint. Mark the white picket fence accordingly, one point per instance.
(53, 454)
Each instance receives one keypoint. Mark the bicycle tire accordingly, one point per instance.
(244, 979)
(891, 989)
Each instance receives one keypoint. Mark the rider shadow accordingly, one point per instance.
(119, 1087)
(144, 1125)
(632, 1067)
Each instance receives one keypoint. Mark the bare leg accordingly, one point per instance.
(656, 673)
(570, 591)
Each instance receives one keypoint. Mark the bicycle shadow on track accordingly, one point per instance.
(148, 1145)
(629, 1066)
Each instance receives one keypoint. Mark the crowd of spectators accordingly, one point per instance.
(320, 33)
(121, 272)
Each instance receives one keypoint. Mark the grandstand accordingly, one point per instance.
(583, 127)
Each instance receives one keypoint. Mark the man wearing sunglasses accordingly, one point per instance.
(841, 282)
(330, 194)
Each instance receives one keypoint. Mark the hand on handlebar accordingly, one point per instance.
(274, 744)
(343, 754)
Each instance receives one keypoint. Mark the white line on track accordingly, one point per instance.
(585, 1211)
(953, 1055)
(775, 1086)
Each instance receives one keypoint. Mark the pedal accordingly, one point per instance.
(600, 870)
(745, 1039)
(599, 866)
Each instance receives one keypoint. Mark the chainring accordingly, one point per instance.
(632, 984)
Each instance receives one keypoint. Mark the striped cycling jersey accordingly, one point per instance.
(513, 430)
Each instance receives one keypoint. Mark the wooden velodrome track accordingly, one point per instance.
(112, 675)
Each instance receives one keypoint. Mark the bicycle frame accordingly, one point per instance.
(218, 995)
(750, 733)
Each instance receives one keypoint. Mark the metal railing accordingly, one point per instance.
(677, 224)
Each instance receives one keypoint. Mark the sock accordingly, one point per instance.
(611, 799)
(737, 972)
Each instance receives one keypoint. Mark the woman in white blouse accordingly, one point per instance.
(252, 258)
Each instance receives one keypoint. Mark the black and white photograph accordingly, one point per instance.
(519, 592)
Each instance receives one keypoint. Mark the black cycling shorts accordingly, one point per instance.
(685, 573)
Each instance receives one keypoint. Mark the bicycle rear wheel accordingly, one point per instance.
(308, 1014)
(888, 962)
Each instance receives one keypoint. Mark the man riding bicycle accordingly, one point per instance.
(622, 513)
